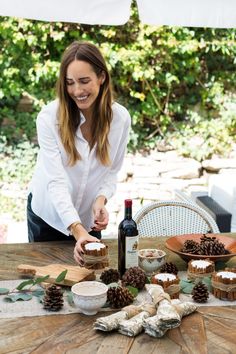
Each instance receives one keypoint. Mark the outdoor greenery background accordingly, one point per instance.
(177, 83)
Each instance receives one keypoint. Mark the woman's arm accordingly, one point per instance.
(55, 178)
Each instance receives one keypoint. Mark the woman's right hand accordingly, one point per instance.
(82, 237)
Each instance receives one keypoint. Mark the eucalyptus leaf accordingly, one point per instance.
(38, 292)
(134, 291)
(4, 291)
(25, 283)
(61, 276)
(186, 286)
(18, 296)
(207, 282)
(40, 279)
(70, 298)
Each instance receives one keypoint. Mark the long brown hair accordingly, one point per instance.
(68, 112)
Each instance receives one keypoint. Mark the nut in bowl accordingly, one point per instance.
(89, 296)
(151, 259)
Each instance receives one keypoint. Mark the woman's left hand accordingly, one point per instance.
(101, 216)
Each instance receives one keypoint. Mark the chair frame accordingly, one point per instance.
(211, 226)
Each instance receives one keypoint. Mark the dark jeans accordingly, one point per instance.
(40, 231)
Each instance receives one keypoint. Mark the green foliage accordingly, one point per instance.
(18, 296)
(20, 293)
(159, 73)
(201, 136)
(132, 290)
(187, 285)
(61, 276)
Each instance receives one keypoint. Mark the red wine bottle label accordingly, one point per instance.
(131, 252)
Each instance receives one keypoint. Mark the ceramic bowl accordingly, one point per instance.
(89, 296)
(151, 259)
(175, 244)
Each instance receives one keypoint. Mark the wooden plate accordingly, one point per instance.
(175, 244)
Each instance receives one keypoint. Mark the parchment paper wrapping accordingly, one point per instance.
(169, 312)
(134, 325)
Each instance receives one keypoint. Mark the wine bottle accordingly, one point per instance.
(127, 240)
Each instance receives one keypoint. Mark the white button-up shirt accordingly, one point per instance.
(63, 194)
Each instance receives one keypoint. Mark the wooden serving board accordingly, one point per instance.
(74, 274)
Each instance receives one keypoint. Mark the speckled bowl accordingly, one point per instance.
(151, 259)
(89, 296)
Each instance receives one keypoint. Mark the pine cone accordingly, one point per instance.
(190, 246)
(110, 276)
(169, 267)
(53, 298)
(135, 277)
(211, 246)
(119, 297)
(200, 292)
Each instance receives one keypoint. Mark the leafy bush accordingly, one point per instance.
(204, 136)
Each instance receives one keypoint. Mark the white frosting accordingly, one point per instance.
(228, 275)
(200, 264)
(165, 276)
(94, 246)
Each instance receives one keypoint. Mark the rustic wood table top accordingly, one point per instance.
(209, 330)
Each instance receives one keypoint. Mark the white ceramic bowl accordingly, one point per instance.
(89, 296)
(151, 259)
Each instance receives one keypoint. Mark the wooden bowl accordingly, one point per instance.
(176, 243)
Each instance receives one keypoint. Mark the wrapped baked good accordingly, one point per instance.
(200, 268)
(95, 255)
(224, 284)
(169, 282)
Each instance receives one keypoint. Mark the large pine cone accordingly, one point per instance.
(190, 246)
(211, 246)
(135, 277)
(169, 267)
(53, 298)
(119, 297)
(200, 292)
(110, 276)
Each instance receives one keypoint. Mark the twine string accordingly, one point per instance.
(224, 287)
(92, 260)
(198, 275)
(132, 310)
(173, 289)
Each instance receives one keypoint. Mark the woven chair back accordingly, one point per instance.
(169, 218)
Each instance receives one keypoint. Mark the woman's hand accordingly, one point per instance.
(101, 216)
(82, 237)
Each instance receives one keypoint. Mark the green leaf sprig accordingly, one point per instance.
(25, 294)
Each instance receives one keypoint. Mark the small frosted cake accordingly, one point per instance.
(224, 284)
(169, 282)
(95, 255)
(200, 268)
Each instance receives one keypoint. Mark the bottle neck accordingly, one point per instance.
(128, 212)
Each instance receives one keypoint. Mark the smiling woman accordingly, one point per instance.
(82, 137)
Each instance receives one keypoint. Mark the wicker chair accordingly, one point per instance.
(169, 218)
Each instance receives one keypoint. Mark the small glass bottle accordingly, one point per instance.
(127, 240)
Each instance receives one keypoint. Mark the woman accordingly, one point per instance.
(82, 137)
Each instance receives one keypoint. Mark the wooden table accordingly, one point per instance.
(209, 330)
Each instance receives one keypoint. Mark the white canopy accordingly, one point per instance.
(196, 13)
